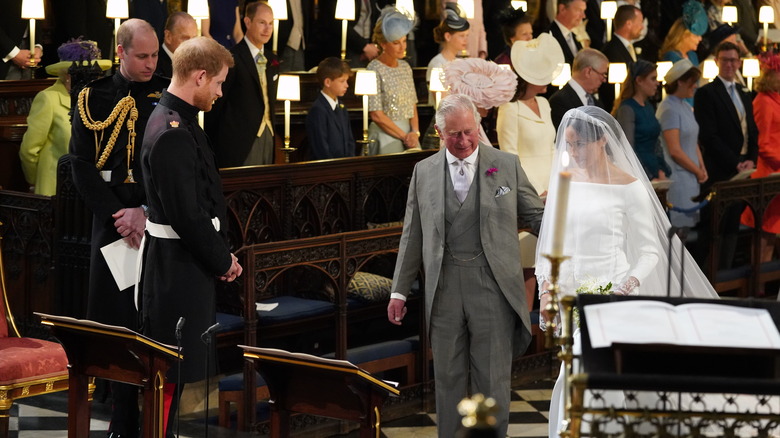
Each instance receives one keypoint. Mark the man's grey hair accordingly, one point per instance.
(452, 104)
(588, 58)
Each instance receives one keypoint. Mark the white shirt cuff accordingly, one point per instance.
(12, 54)
(398, 296)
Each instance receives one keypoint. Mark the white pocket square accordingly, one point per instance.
(502, 191)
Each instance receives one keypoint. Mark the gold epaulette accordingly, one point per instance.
(118, 114)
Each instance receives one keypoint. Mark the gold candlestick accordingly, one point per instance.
(564, 305)
(365, 142)
(287, 149)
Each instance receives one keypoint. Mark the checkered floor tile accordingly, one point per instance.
(45, 416)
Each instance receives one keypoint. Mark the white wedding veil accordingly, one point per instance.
(615, 227)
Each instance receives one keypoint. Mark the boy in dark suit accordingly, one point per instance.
(327, 124)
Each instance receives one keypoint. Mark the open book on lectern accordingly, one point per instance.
(694, 324)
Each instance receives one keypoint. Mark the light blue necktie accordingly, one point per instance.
(737, 101)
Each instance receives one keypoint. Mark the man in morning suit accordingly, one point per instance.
(728, 135)
(186, 248)
(360, 49)
(107, 174)
(241, 123)
(629, 24)
(464, 207)
(327, 123)
(293, 35)
(570, 15)
(179, 28)
(13, 28)
(588, 73)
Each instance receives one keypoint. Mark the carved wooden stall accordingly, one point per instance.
(47, 238)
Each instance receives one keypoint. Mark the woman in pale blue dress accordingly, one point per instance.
(680, 134)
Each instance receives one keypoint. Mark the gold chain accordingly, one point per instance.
(119, 113)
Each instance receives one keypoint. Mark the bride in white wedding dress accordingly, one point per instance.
(616, 232)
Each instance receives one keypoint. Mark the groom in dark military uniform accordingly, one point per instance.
(186, 249)
(108, 125)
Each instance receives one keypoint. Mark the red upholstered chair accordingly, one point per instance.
(28, 366)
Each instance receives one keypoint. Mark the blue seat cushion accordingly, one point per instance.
(229, 323)
(770, 266)
(535, 317)
(235, 382)
(292, 308)
(376, 351)
(733, 274)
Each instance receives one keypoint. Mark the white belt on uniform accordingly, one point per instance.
(160, 231)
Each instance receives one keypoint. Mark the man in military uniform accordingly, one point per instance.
(108, 125)
(185, 249)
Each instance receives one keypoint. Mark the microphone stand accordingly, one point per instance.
(206, 338)
(670, 235)
(683, 233)
(179, 326)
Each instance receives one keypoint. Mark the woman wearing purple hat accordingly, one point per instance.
(48, 125)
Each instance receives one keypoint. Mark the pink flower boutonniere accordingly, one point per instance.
(491, 171)
(274, 62)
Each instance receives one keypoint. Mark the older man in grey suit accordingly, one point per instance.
(464, 208)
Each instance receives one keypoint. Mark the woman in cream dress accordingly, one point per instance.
(525, 128)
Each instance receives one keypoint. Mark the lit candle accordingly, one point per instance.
(276, 35)
(365, 112)
(561, 207)
(286, 119)
(32, 39)
(343, 38)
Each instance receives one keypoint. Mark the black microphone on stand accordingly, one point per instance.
(683, 233)
(206, 338)
(670, 236)
(179, 326)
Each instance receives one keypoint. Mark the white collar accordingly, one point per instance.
(727, 83)
(625, 42)
(471, 159)
(581, 93)
(168, 51)
(564, 30)
(330, 100)
(253, 50)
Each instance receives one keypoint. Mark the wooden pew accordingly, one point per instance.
(338, 257)
(746, 279)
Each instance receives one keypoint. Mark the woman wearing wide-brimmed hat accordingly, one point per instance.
(525, 127)
(48, 124)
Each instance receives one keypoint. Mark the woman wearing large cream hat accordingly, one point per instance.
(525, 127)
(48, 123)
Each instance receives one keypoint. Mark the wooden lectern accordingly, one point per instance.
(325, 387)
(112, 353)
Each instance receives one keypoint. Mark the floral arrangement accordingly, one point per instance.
(491, 171)
(591, 287)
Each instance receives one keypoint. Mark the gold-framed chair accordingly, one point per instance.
(28, 366)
